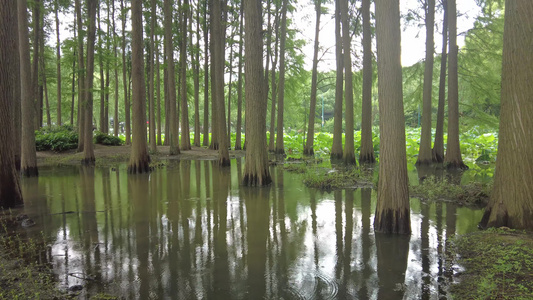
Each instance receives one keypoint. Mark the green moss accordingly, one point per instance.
(498, 263)
(433, 188)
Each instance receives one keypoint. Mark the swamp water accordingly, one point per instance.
(189, 230)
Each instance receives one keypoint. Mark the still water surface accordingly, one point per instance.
(191, 231)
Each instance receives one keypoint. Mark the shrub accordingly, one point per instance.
(59, 138)
(106, 139)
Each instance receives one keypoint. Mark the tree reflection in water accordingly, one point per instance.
(190, 231)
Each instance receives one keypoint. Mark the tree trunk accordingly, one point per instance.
(125, 76)
(151, 87)
(88, 149)
(238, 142)
(139, 159)
(273, 93)
(36, 17)
(116, 123)
(195, 57)
(256, 172)
(217, 86)
(230, 84)
(171, 83)
(205, 141)
(73, 88)
(280, 147)
(392, 210)
(268, 59)
(453, 159)
(308, 149)
(17, 103)
(58, 65)
(185, 135)
(336, 147)
(81, 79)
(348, 155)
(366, 154)
(28, 155)
(10, 193)
(425, 155)
(511, 202)
(101, 126)
(45, 87)
(158, 92)
(438, 146)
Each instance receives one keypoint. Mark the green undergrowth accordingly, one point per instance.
(498, 263)
(443, 189)
(57, 138)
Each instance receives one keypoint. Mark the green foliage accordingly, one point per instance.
(106, 139)
(499, 265)
(59, 138)
(433, 188)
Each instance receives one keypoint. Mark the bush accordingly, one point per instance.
(106, 139)
(59, 138)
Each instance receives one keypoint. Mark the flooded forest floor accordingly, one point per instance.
(497, 263)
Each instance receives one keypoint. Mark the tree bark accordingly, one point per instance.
(280, 147)
(273, 93)
(185, 135)
(139, 158)
(308, 149)
(336, 147)
(125, 77)
(171, 85)
(158, 92)
(116, 123)
(10, 193)
(511, 201)
(366, 153)
(36, 17)
(195, 57)
(453, 158)
(88, 149)
(58, 64)
(238, 140)
(392, 209)
(81, 79)
(256, 171)
(425, 155)
(438, 145)
(28, 157)
(205, 141)
(151, 73)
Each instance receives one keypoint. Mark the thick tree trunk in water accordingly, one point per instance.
(348, 155)
(511, 202)
(185, 136)
(256, 172)
(392, 210)
(88, 149)
(58, 65)
(336, 147)
(308, 149)
(280, 147)
(425, 155)
(453, 159)
(366, 154)
(238, 138)
(81, 79)
(28, 155)
(171, 86)
(139, 159)
(438, 146)
(10, 193)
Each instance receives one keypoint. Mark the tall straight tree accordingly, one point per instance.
(308, 149)
(139, 158)
(392, 209)
(195, 57)
(158, 92)
(58, 64)
(453, 158)
(116, 122)
(280, 147)
(511, 201)
(171, 86)
(366, 154)
(349, 148)
(256, 172)
(336, 147)
(425, 155)
(81, 78)
(205, 29)
(238, 142)
(28, 157)
(125, 76)
(438, 145)
(88, 149)
(36, 18)
(217, 84)
(10, 194)
(17, 131)
(273, 90)
(151, 73)
(185, 137)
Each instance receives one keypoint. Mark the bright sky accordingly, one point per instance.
(413, 35)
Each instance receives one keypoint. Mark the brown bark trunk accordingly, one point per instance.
(205, 141)
(336, 147)
(238, 138)
(280, 147)
(425, 155)
(81, 79)
(158, 92)
(36, 17)
(438, 146)
(392, 209)
(125, 77)
(58, 64)
(10, 193)
(171, 85)
(185, 136)
(348, 155)
(308, 149)
(116, 123)
(273, 93)
(139, 159)
(195, 57)
(28, 155)
(151, 87)
(256, 172)
(366, 154)
(88, 149)
(453, 158)
(511, 202)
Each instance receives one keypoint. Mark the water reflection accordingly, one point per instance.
(190, 231)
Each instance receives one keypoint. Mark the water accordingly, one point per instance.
(190, 231)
